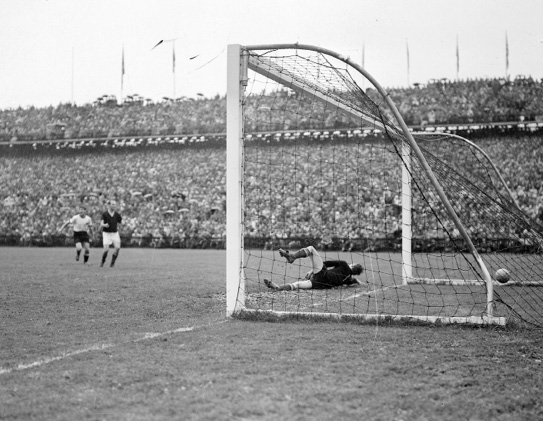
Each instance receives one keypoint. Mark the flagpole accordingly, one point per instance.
(506, 56)
(73, 60)
(407, 49)
(122, 76)
(457, 58)
(173, 61)
(173, 68)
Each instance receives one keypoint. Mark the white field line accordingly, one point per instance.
(44, 361)
(156, 335)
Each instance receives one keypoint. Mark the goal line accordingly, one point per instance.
(378, 318)
(459, 282)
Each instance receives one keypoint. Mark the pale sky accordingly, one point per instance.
(58, 51)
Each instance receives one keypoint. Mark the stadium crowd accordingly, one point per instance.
(440, 101)
(174, 195)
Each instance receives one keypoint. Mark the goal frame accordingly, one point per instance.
(238, 65)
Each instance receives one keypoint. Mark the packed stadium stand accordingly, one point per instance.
(438, 102)
(165, 162)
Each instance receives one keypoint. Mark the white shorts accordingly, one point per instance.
(109, 238)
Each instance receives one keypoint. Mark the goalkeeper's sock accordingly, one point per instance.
(86, 257)
(77, 254)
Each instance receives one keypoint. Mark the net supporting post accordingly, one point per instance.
(407, 266)
(444, 199)
(489, 286)
(235, 283)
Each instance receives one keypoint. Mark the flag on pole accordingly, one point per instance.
(173, 68)
(122, 74)
(407, 49)
(457, 58)
(173, 57)
(506, 55)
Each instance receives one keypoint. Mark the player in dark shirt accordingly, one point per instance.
(323, 275)
(110, 233)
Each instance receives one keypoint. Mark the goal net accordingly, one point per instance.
(318, 155)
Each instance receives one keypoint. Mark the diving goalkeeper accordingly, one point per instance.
(323, 275)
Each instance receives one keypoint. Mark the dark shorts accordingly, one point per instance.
(81, 237)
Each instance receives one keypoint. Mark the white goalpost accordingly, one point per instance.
(235, 282)
(321, 165)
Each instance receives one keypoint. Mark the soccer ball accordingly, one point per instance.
(502, 276)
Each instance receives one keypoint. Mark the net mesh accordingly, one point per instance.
(322, 167)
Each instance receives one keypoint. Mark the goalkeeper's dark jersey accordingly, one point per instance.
(335, 273)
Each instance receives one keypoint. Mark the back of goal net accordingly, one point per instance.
(326, 163)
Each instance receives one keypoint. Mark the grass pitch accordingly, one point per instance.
(148, 340)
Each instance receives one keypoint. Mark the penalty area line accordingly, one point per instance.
(39, 363)
(157, 335)
(100, 347)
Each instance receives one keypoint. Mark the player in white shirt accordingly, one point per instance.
(82, 226)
